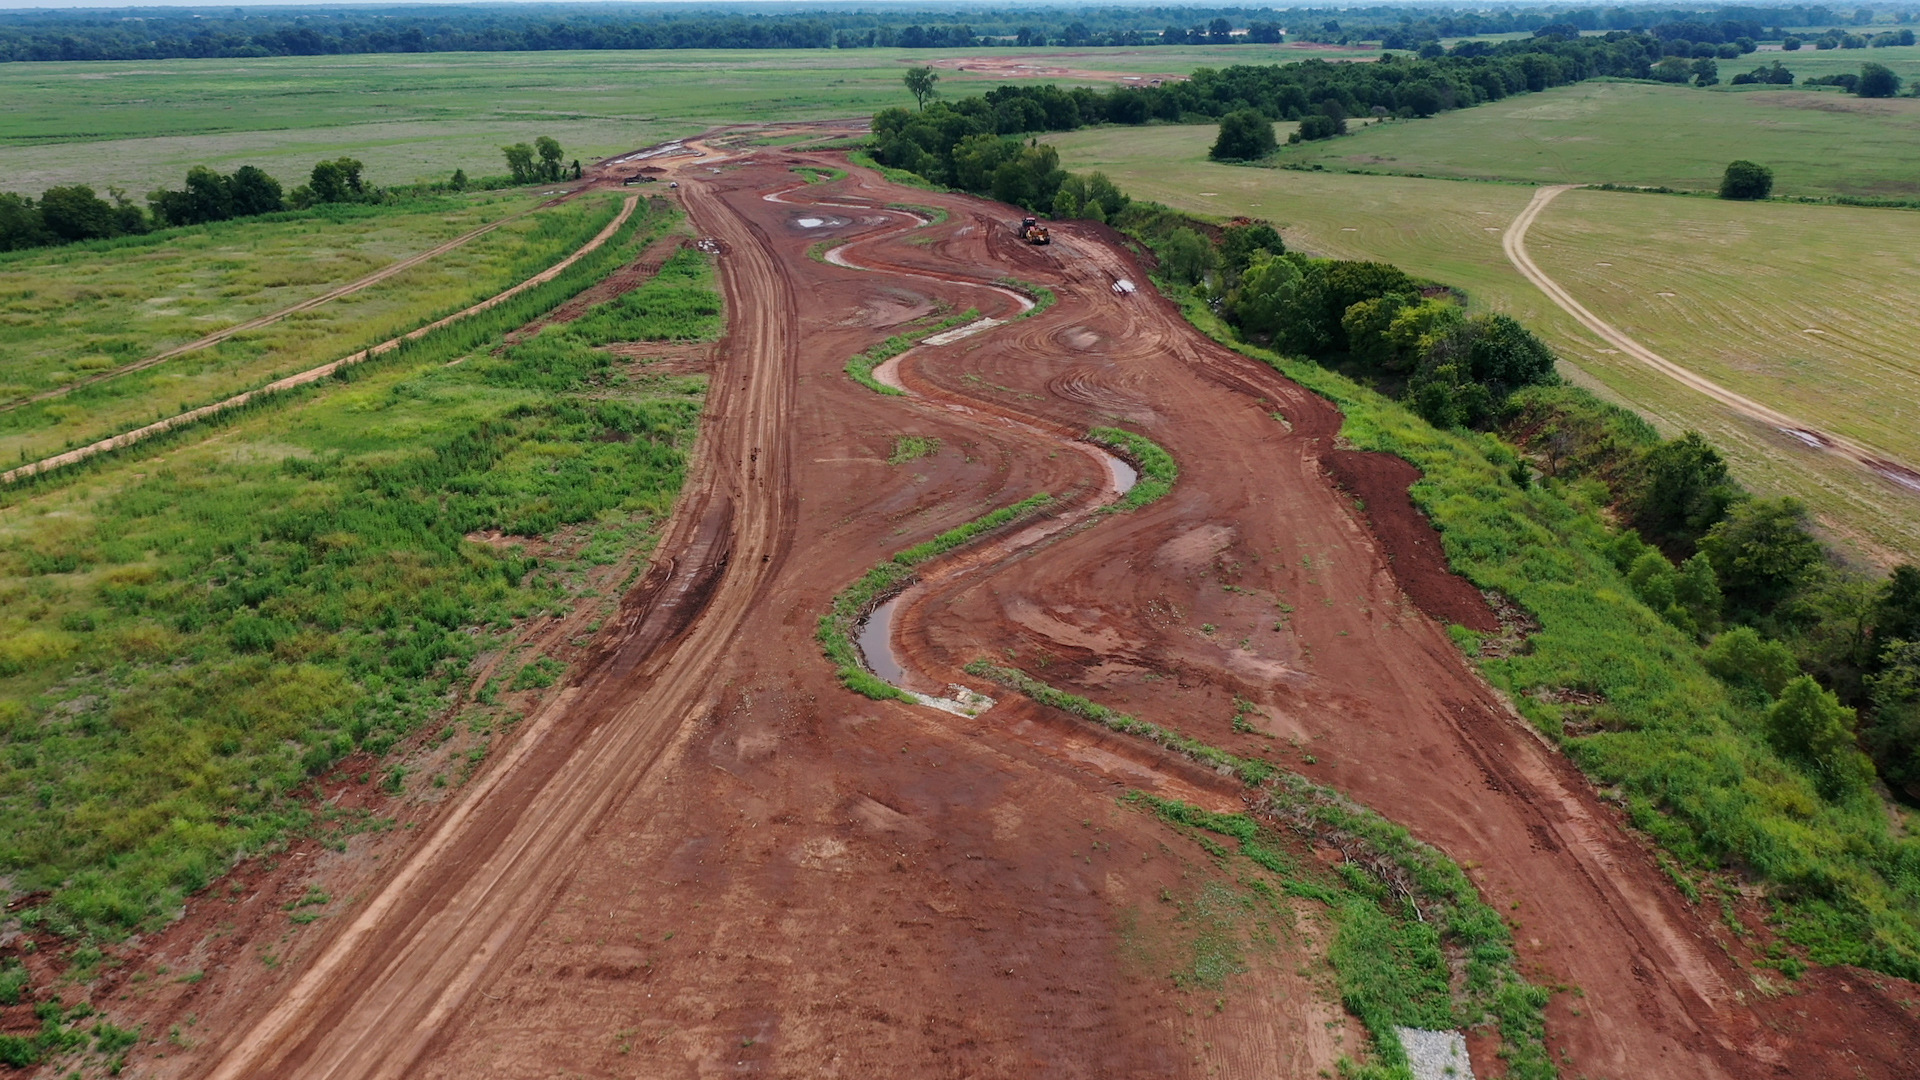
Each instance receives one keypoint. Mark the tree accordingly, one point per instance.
(1809, 726)
(550, 157)
(1877, 81)
(1746, 180)
(1896, 614)
(1245, 135)
(920, 82)
(1189, 256)
(1240, 243)
(1686, 489)
(1893, 734)
(1761, 552)
(251, 191)
(337, 181)
(1506, 356)
(519, 164)
(459, 181)
(76, 213)
(1742, 658)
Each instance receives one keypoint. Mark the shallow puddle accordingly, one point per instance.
(875, 641)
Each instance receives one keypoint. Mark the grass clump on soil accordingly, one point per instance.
(934, 214)
(835, 629)
(820, 175)
(1042, 297)
(817, 251)
(890, 174)
(912, 448)
(1157, 468)
(222, 625)
(1402, 908)
(1689, 758)
(1249, 770)
(860, 367)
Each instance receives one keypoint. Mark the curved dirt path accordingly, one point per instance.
(1514, 243)
(270, 318)
(312, 375)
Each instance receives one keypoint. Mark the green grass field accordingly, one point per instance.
(142, 124)
(69, 312)
(1818, 142)
(1728, 317)
(190, 631)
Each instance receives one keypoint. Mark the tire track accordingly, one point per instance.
(374, 1000)
(1514, 243)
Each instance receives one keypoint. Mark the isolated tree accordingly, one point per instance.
(920, 82)
(1244, 136)
(519, 163)
(1877, 81)
(550, 157)
(1746, 180)
(459, 181)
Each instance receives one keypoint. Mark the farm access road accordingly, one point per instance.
(1514, 243)
(707, 857)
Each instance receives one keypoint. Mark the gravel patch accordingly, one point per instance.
(1436, 1055)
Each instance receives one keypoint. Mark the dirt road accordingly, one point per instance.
(1514, 242)
(710, 859)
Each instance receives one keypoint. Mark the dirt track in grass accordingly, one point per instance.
(707, 858)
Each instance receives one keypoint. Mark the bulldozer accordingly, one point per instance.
(1033, 232)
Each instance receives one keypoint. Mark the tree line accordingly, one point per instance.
(1319, 94)
(152, 34)
(74, 212)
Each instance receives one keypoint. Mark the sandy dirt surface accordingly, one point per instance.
(706, 858)
(1046, 67)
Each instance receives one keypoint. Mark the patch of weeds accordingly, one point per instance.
(538, 675)
(912, 448)
(1158, 470)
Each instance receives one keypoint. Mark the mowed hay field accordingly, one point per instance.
(69, 312)
(1818, 142)
(1737, 327)
(422, 115)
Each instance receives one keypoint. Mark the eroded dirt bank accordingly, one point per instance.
(716, 861)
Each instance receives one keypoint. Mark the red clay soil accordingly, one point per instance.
(708, 858)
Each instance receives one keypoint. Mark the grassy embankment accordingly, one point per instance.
(67, 313)
(1831, 275)
(1403, 911)
(194, 628)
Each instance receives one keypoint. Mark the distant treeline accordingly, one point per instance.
(961, 142)
(153, 34)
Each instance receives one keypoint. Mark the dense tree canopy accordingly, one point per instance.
(1244, 136)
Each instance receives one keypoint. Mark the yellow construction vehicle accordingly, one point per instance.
(1033, 232)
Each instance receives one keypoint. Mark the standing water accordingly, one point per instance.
(876, 643)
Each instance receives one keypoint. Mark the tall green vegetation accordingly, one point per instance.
(544, 161)
(1244, 136)
(186, 644)
(1746, 180)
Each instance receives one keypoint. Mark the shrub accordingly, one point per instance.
(1746, 180)
(1244, 136)
(1877, 81)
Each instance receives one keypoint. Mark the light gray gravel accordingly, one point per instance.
(1436, 1055)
